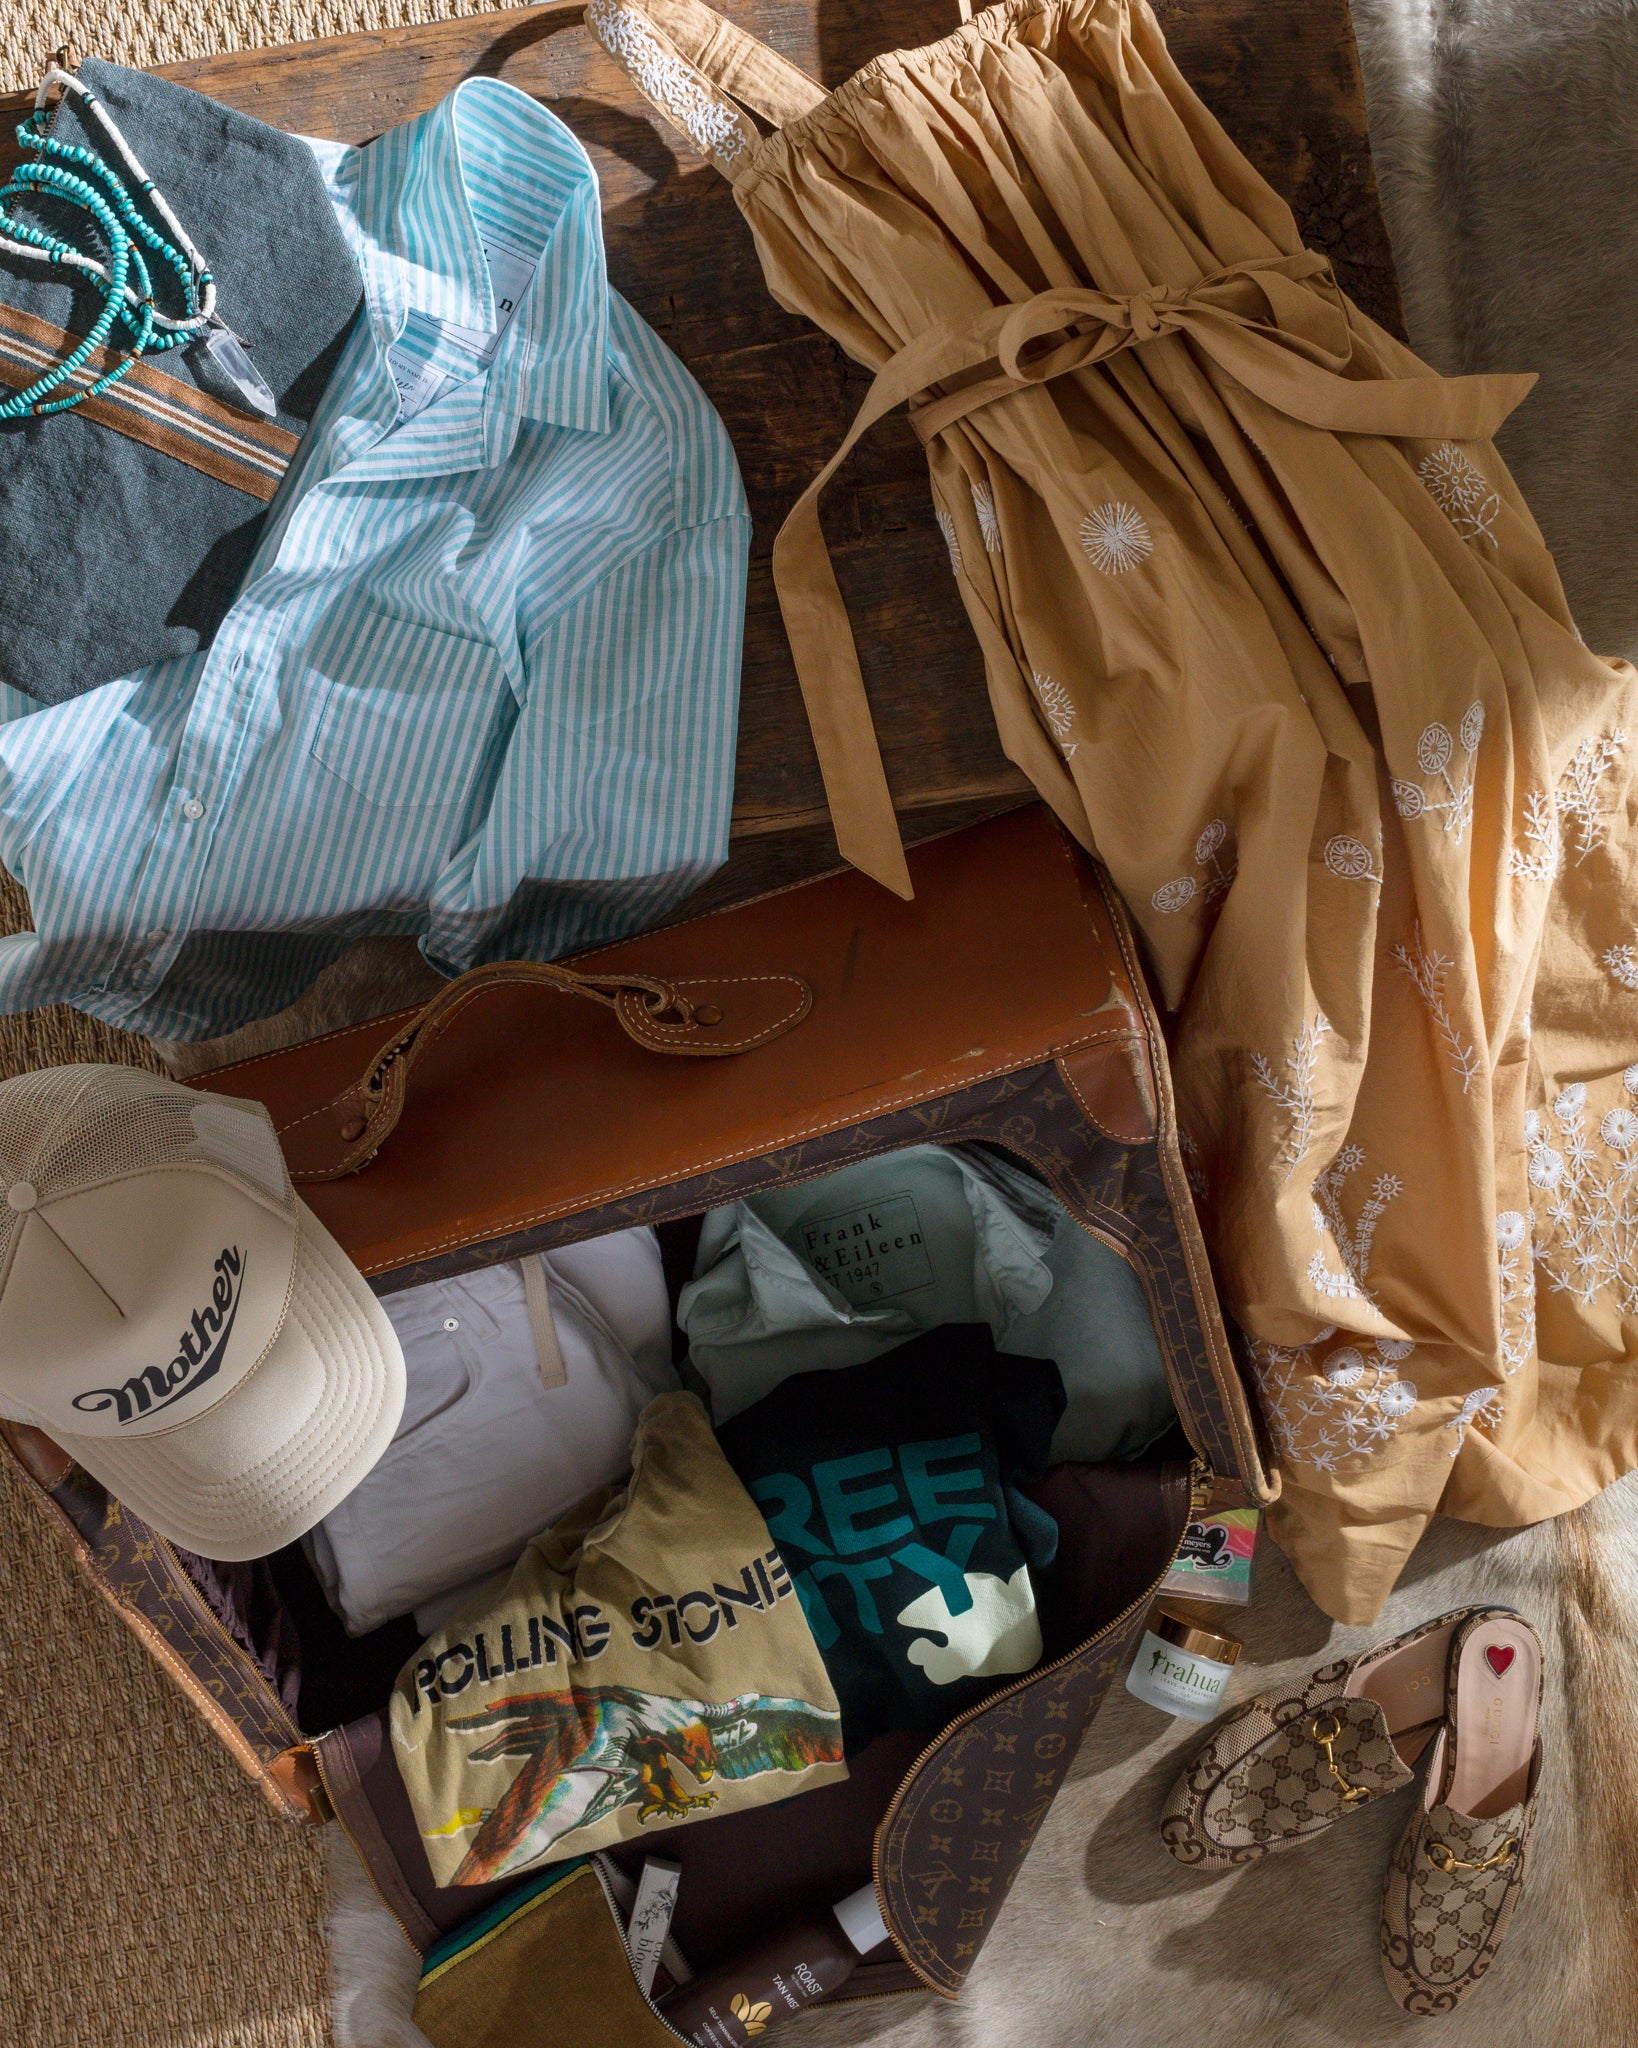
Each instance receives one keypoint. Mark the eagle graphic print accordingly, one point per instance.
(647, 1664)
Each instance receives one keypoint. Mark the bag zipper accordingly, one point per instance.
(1200, 1483)
(625, 1949)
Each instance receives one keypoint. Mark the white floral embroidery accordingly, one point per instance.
(1546, 1167)
(1059, 707)
(1295, 1094)
(1462, 491)
(1576, 797)
(988, 524)
(1353, 1247)
(709, 124)
(1574, 810)
(1352, 1405)
(1193, 1171)
(1116, 538)
(952, 540)
(1181, 891)
(1428, 971)
(1541, 829)
(1516, 1268)
(1622, 962)
(1434, 753)
(1350, 859)
(1592, 1202)
(1483, 1405)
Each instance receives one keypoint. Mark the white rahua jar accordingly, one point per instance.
(1182, 1668)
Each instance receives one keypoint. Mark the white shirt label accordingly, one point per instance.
(422, 384)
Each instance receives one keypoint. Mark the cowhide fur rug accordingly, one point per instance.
(1106, 1941)
(1505, 137)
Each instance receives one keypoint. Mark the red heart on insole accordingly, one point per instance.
(1499, 1658)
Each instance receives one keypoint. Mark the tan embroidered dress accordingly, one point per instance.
(1267, 623)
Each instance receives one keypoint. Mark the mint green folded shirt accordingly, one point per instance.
(832, 1272)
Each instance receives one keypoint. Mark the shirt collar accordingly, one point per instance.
(418, 197)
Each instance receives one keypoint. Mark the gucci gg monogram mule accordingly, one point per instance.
(1288, 1766)
(1457, 1873)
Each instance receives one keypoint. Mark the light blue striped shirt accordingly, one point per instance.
(482, 681)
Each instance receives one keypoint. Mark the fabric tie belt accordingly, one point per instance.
(1278, 325)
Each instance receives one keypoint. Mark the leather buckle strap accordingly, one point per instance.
(710, 1017)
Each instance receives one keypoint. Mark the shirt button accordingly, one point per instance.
(157, 938)
(451, 1323)
(193, 810)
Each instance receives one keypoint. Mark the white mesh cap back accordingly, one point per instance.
(66, 1130)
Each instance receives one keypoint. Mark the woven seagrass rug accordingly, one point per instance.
(149, 32)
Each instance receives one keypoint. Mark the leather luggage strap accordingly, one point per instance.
(705, 1018)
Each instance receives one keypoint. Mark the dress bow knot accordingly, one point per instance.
(1273, 330)
(1149, 314)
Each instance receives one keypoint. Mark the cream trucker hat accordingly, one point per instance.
(175, 1318)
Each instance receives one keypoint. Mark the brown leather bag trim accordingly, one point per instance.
(1254, 1467)
(301, 1783)
(340, 1775)
(587, 1202)
(1092, 1076)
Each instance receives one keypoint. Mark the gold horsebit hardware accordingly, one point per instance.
(1443, 1858)
(1326, 1736)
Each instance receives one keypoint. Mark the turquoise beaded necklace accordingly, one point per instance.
(79, 177)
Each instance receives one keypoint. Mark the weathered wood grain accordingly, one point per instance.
(1282, 76)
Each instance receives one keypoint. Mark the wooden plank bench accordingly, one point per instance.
(1283, 77)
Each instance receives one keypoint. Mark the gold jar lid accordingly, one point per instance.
(1185, 1634)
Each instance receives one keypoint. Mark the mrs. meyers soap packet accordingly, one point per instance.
(1215, 1560)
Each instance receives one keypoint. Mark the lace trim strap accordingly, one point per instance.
(692, 66)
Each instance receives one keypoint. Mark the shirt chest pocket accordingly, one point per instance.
(405, 712)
